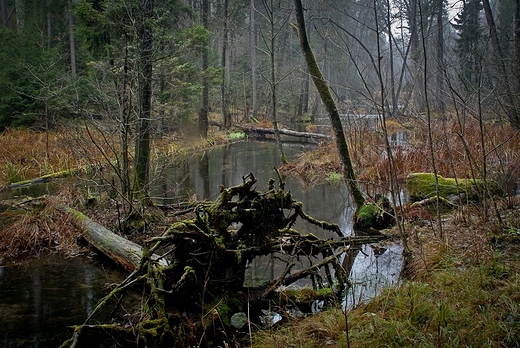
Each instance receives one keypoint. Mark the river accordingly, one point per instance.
(40, 299)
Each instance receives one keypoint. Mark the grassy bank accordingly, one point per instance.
(461, 286)
(462, 291)
(28, 154)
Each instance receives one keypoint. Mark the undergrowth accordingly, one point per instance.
(34, 226)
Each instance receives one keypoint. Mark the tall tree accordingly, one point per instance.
(273, 82)
(330, 105)
(469, 42)
(226, 118)
(142, 147)
(252, 47)
(440, 56)
(204, 109)
(72, 44)
(508, 97)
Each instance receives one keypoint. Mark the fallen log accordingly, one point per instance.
(422, 186)
(122, 251)
(264, 131)
(42, 179)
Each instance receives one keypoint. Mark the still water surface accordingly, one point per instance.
(39, 300)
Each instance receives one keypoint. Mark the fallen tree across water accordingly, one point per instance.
(196, 285)
(43, 179)
(260, 131)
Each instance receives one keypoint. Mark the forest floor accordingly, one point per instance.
(461, 286)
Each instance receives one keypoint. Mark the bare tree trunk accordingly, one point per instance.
(71, 40)
(440, 57)
(392, 169)
(204, 109)
(429, 121)
(226, 119)
(516, 29)
(3, 9)
(252, 42)
(142, 148)
(503, 78)
(273, 83)
(125, 107)
(413, 18)
(20, 14)
(391, 52)
(330, 105)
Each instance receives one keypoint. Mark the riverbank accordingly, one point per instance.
(461, 287)
(458, 290)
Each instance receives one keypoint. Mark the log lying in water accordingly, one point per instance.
(264, 131)
(122, 251)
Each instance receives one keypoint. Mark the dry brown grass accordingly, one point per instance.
(312, 167)
(28, 154)
(34, 226)
(458, 153)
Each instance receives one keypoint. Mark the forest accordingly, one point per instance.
(412, 105)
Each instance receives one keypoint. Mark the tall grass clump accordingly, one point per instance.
(34, 226)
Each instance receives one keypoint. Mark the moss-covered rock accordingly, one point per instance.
(422, 186)
(375, 215)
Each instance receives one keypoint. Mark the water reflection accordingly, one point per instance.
(39, 299)
(201, 176)
(373, 269)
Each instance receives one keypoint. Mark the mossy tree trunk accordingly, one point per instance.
(330, 105)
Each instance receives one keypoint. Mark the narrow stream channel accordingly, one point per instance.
(40, 299)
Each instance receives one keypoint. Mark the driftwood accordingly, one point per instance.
(202, 268)
(264, 131)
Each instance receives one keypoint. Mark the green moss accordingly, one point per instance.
(334, 177)
(305, 295)
(367, 214)
(236, 135)
(422, 185)
(377, 215)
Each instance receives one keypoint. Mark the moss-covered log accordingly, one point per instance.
(423, 186)
(122, 251)
(42, 179)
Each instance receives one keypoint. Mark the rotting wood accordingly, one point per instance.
(122, 251)
(264, 131)
(207, 259)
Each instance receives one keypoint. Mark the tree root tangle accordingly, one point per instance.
(192, 290)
